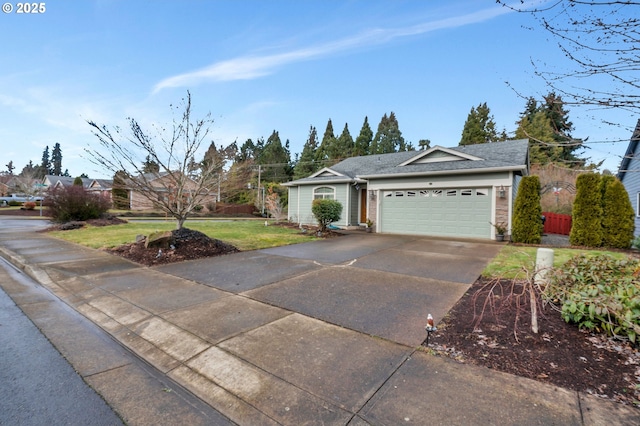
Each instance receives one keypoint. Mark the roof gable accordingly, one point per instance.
(439, 154)
(326, 172)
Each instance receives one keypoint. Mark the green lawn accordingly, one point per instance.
(243, 234)
(511, 260)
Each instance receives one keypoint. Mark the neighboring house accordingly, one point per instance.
(457, 192)
(629, 174)
(161, 182)
(21, 185)
(100, 186)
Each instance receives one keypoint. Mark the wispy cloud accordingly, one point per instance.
(253, 66)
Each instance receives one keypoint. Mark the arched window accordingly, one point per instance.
(324, 192)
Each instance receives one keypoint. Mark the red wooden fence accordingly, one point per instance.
(234, 208)
(557, 223)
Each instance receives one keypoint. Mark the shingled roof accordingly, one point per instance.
(486, 157)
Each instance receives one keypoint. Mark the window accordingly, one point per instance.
(388, 194)
(452, 193)
(324, 193)
(399, 193)
(482, 192)
(424, 193)
(436, 193)
(466, 192)
(411, 193)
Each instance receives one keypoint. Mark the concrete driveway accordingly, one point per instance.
(381, 285)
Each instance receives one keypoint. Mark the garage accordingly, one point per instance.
(452, 212)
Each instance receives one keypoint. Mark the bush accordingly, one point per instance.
(599, 294)
(527, 223)
(586, 229)
(617, 215)
(29, 205)
(326, 212)
(75, 203)
(14, 203)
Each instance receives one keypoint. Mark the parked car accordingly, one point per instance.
(20, 198)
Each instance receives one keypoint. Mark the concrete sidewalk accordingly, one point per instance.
(282, 344)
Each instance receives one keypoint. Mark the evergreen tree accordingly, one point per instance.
(554, 129)
(539, 131)
(344, 145)
(559, 117)
(306, 164)
(479, 127)
(10, 167)
(45, 165)
(213, 158)
(246, 152)
(78, 181)
(388, 137)
(527, 224)
(56, 160)
(586, 229)
(150, 166)
(328, 140)
(617, 215)
(363, 141)
(530, 109)
(276, 160)
(424, 144)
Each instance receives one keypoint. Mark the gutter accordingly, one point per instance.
(522, 168)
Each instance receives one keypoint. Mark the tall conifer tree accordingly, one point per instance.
(306, 165)
(363, 141)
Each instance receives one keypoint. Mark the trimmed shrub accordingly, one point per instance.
(326, 212)
(617, 215)
(29, 205)
(586, 229)
(527, 214)
(75, 203)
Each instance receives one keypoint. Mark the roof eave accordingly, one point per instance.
(316, 182)
(447, 172)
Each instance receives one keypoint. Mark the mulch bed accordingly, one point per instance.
(186, 244)
(560, 354)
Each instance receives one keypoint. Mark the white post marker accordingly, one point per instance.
(544, 263)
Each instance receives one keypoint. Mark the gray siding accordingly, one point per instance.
(631, 181)
(292, 208)
(354, 217)
(301, 213)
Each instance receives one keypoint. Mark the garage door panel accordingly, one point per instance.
(459, 212)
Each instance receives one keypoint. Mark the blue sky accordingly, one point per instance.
(260, 66)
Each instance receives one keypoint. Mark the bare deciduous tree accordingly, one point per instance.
(175, 188)
(602, 40)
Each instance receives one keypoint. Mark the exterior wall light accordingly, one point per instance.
(502, 193)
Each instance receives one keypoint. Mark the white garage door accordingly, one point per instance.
(461, 212)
